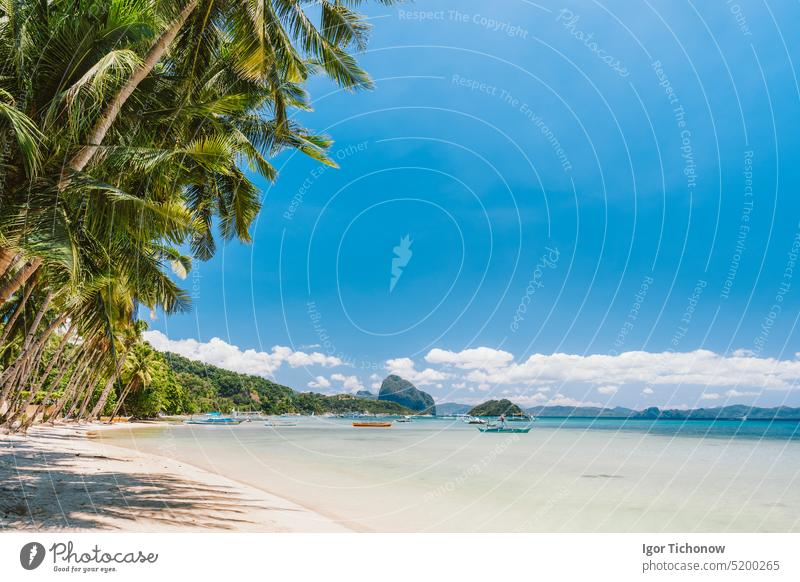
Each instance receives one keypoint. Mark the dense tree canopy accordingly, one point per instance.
(129, 130)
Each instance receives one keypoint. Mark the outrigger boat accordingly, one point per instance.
(371, 424)
(495, 428)
(403, 419)
(214, 418)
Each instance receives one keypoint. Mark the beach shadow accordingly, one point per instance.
(41, 490)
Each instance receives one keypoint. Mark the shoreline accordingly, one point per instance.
(61, 479)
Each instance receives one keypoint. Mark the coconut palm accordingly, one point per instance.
(129, 127)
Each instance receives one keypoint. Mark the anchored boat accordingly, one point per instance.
(504, 429)
(371, 424)
(214, 418)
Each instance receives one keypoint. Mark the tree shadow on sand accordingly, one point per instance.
(41, 490)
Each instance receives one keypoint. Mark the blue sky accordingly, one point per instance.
(586, 179)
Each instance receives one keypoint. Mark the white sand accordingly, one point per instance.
(60, 479)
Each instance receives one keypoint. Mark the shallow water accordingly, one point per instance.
(565, 475)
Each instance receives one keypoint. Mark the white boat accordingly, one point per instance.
(213, 418)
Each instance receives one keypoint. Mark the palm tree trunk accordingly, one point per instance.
(77, 376)
(54, 358)
(89, 391)
(13, 319)
(101, 402)
(90, 377)
(122, 399)
(18, 280)
(7, 260)
(101, 127)
(37, 320)
(9, 375)
(35, 389)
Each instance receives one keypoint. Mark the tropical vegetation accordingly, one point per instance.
(131, 133)
(497, 408)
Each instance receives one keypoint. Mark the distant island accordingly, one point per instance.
(448, 408)
(401, 391)
(497, 408)
(731, 412)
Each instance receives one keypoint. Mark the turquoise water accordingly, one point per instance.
(747, 429)
(565, 475)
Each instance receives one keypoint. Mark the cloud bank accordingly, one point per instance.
(218, 352)
(700, 367)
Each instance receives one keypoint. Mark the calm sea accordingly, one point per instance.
(564, 475)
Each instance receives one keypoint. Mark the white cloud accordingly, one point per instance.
(404, 367)
(220, 353)
(700, 367)
(482, 358)
(709, 396)
(737, 393)
(319, 382)
(647, 391)
(349, 382)
(561, 400)
(608, 390)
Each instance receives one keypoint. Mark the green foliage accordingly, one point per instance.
(128, 137)
(397, 389)
(496, 408)
(208, 388)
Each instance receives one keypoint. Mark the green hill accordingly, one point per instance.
(401, 391)
(209, 388)
(496, 408)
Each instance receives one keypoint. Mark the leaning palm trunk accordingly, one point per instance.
(92, 383)
(13, 319)
(16, 374)
(122, 398)
(22, 408)
(34, 352)
(101, 402)
(55, 358)
(19, 278)
(78, 376)
(90, 378)
(7, 260)
(101, 127)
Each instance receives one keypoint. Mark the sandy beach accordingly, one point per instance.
(62, 479)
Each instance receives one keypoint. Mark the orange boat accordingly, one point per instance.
(372, 424)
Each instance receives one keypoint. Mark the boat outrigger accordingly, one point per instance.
(495, 428)
(500, 426)
(214, 418)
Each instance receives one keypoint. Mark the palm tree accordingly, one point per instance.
(139, 369)
(275, 41)
(158, 108)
